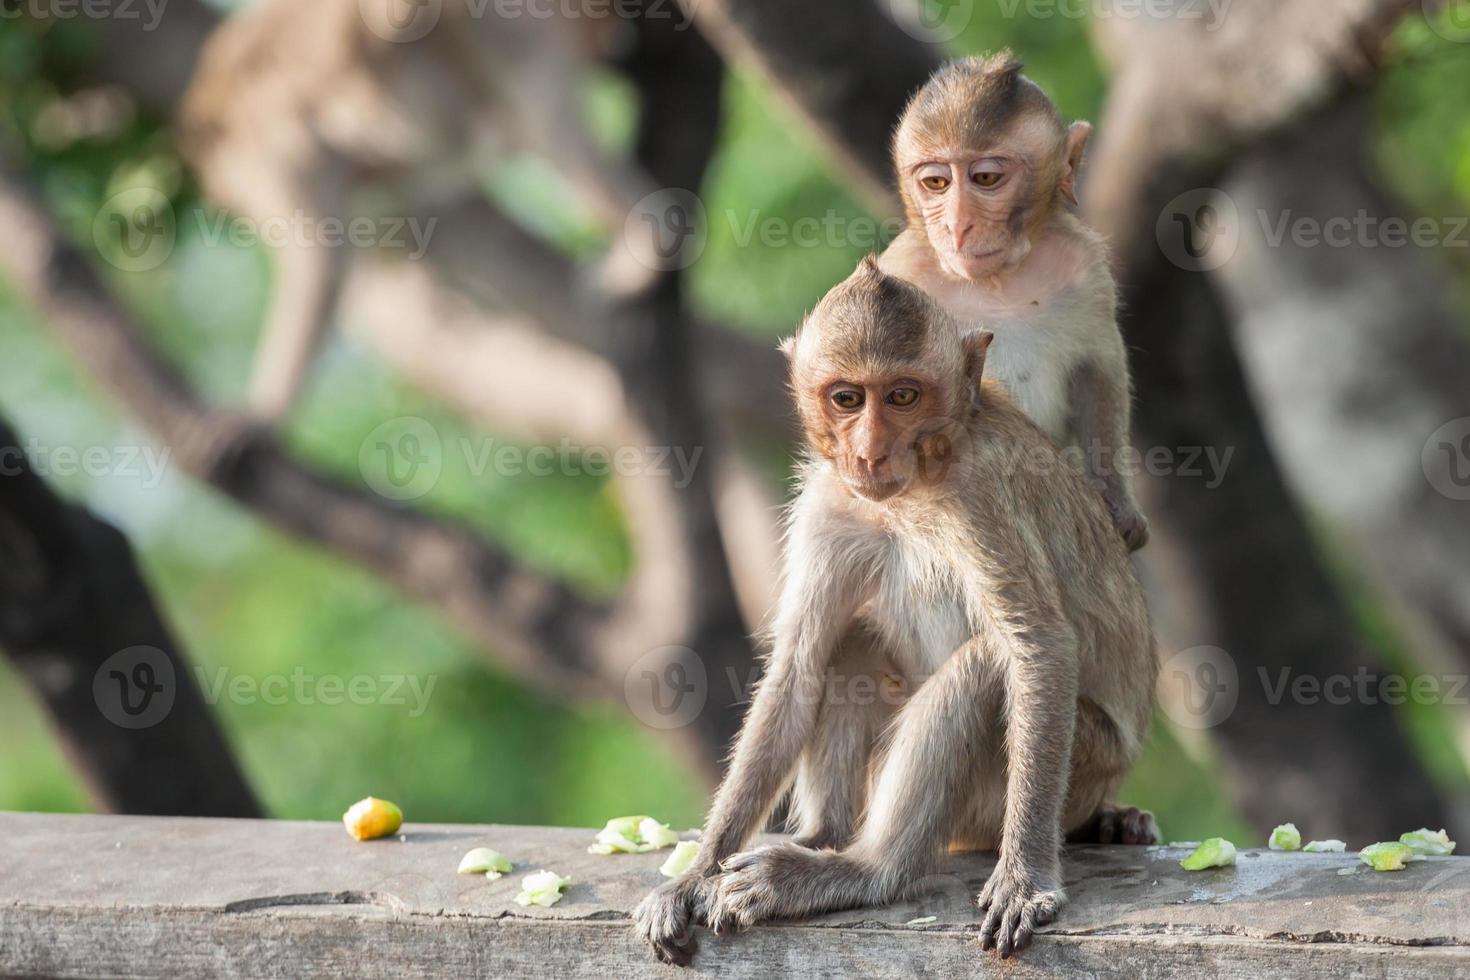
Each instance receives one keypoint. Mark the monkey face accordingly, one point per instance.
(983, 161)
(881, 383)
(884, 432)
(974, 208)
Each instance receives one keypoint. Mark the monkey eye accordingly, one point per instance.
(903, 397)
(987, 174)
(935, 182)
(847, 399)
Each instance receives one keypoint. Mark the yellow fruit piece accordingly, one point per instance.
(679, 861)
(633, 835)
(1425, 841)
(544, 888)
(484, 861)
(1216, 852)
(1388, 856)
(372, 818)
(1285, 838)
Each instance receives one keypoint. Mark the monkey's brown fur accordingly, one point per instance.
(1010, 258)
(966, 103)
(991, 587)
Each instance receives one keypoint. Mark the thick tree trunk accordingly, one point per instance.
(1239, 566)
(1356, 350)
(79, 624)
(1241, 575)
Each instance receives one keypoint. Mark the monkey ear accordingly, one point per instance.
(1077, 135)
(976, 344)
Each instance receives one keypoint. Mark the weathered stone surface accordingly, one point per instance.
(142, 897)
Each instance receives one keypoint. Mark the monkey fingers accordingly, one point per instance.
(1132, 525)
(1012, 910)
(665, 918)
(748, 892)
(782, 881)
(1114, 824)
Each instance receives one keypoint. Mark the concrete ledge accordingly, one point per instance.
(146, 897)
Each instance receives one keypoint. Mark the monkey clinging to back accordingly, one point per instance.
(986, 169)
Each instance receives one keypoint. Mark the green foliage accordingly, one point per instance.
(1424, 119)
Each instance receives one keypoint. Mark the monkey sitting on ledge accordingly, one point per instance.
(940, 541)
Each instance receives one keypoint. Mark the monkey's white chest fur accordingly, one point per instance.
(1039, 347)
(918, 605)
(1029, 358)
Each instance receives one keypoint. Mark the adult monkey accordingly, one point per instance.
(939, 538)
(985, 170)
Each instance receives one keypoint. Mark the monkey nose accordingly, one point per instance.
(873, 463)
(961, 234)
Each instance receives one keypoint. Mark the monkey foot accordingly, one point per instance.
(665, 919)
(1012, 908)
(1113, 824)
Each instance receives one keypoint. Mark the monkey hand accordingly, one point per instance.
(665, 919)
(1129, 521)
(762, 884)
(1013, 904)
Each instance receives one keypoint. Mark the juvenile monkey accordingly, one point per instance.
(332, 109)
(941, 539)
(986, 170)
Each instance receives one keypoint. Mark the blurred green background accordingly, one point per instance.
(247, 600)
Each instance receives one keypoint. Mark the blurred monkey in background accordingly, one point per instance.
(330, 109)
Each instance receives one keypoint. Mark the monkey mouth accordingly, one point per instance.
(971, 264)
(873, 489)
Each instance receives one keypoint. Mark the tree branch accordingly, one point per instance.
(844, 67)
(71, 601)
(1213, 89)
(541, 629)
(477, 252)
(681, 594)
